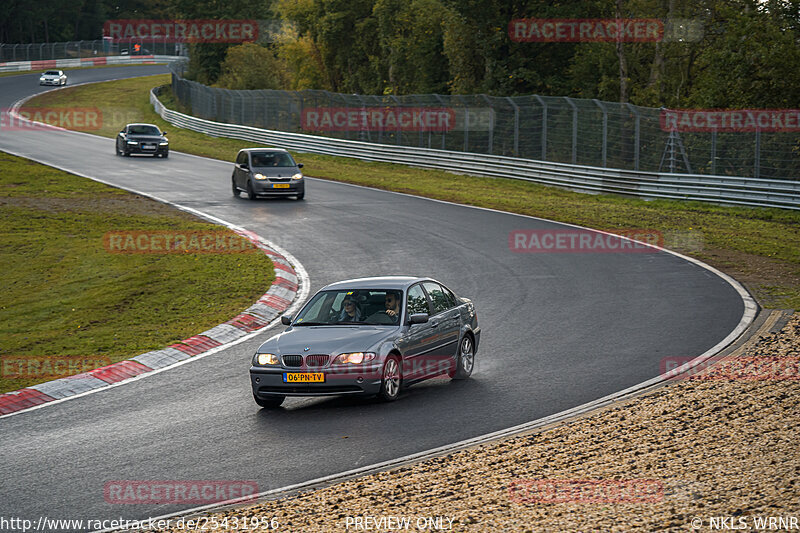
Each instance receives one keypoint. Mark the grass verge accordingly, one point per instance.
(759, 247)
(65, 295)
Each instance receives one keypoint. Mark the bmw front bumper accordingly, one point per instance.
(364, 380)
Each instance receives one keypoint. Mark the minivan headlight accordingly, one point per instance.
(260, 177)
(297, 176)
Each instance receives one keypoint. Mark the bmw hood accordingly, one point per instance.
(331, 340)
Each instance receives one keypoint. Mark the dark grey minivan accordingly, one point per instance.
(267, 172)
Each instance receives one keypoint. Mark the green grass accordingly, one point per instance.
(760, 247)
(64, 294)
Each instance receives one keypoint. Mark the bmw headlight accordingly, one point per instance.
(260, 177)
(354, 358)
(297, 176)
(41, 78)
(163, 143)
(267, 359)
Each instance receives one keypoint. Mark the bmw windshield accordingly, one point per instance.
(375, 307)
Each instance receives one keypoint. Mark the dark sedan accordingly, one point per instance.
(267, 172)
(142, 139)
(369, 336)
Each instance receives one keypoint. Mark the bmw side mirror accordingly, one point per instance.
(418, 318)
(286, 320)
(299, 165)
(163, 133)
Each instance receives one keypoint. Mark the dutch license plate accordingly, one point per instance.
(280, 185)
(304, 377)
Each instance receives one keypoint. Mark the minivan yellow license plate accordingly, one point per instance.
(303, 377)
(280, 185)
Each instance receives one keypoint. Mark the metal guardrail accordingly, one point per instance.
(24, 66)
(719, 189)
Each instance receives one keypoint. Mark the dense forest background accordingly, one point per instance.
(747, 54)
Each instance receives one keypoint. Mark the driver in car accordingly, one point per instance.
(392, 304)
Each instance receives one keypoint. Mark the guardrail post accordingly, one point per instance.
(636, 131)
(574, 129)
(605, 129)
(516, 124)
(544, 126)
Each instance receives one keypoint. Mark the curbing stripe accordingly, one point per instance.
(119, 371)
(196, 345)
(247, 322)
(70, 386)
(224, 333)
(22, 399)
(161, 358)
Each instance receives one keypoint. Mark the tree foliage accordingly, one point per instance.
(746, 54)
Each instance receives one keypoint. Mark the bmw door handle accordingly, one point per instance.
(434, 324)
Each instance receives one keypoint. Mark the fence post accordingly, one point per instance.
(635, 136)
(574, 129)
(757, 169)
(397, 106)
(444, 131)
(516, 125)
(544, 126)
(714, 152)
(605, 130)
(491, 126)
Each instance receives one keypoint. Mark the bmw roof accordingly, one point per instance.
(380, 282)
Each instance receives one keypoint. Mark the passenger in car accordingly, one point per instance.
(350, 311)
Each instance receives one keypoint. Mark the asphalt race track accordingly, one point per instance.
(558, 330)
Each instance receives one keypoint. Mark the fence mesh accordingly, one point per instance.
(85, 49)
(547, 128)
